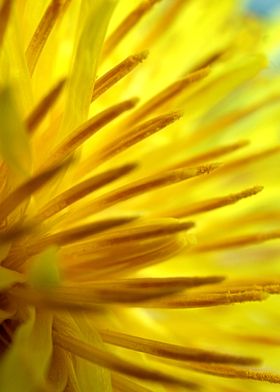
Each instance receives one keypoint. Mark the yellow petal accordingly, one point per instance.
(25, 364)
(220, 86)
(94, 19)
(13, 67)
(8, 278)
(89, 377)
(14, 143)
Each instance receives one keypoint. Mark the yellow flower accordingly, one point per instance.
(126, 242)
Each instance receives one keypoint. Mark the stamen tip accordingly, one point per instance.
(130, 167)
(257, 189)
(177, 115)
(134, 101)
(218, 279)
(187, 225)
(207, 169)
(139, 57)
(244, 143)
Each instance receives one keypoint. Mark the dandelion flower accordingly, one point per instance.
(139, 215)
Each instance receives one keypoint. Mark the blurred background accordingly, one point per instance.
(264, 8)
